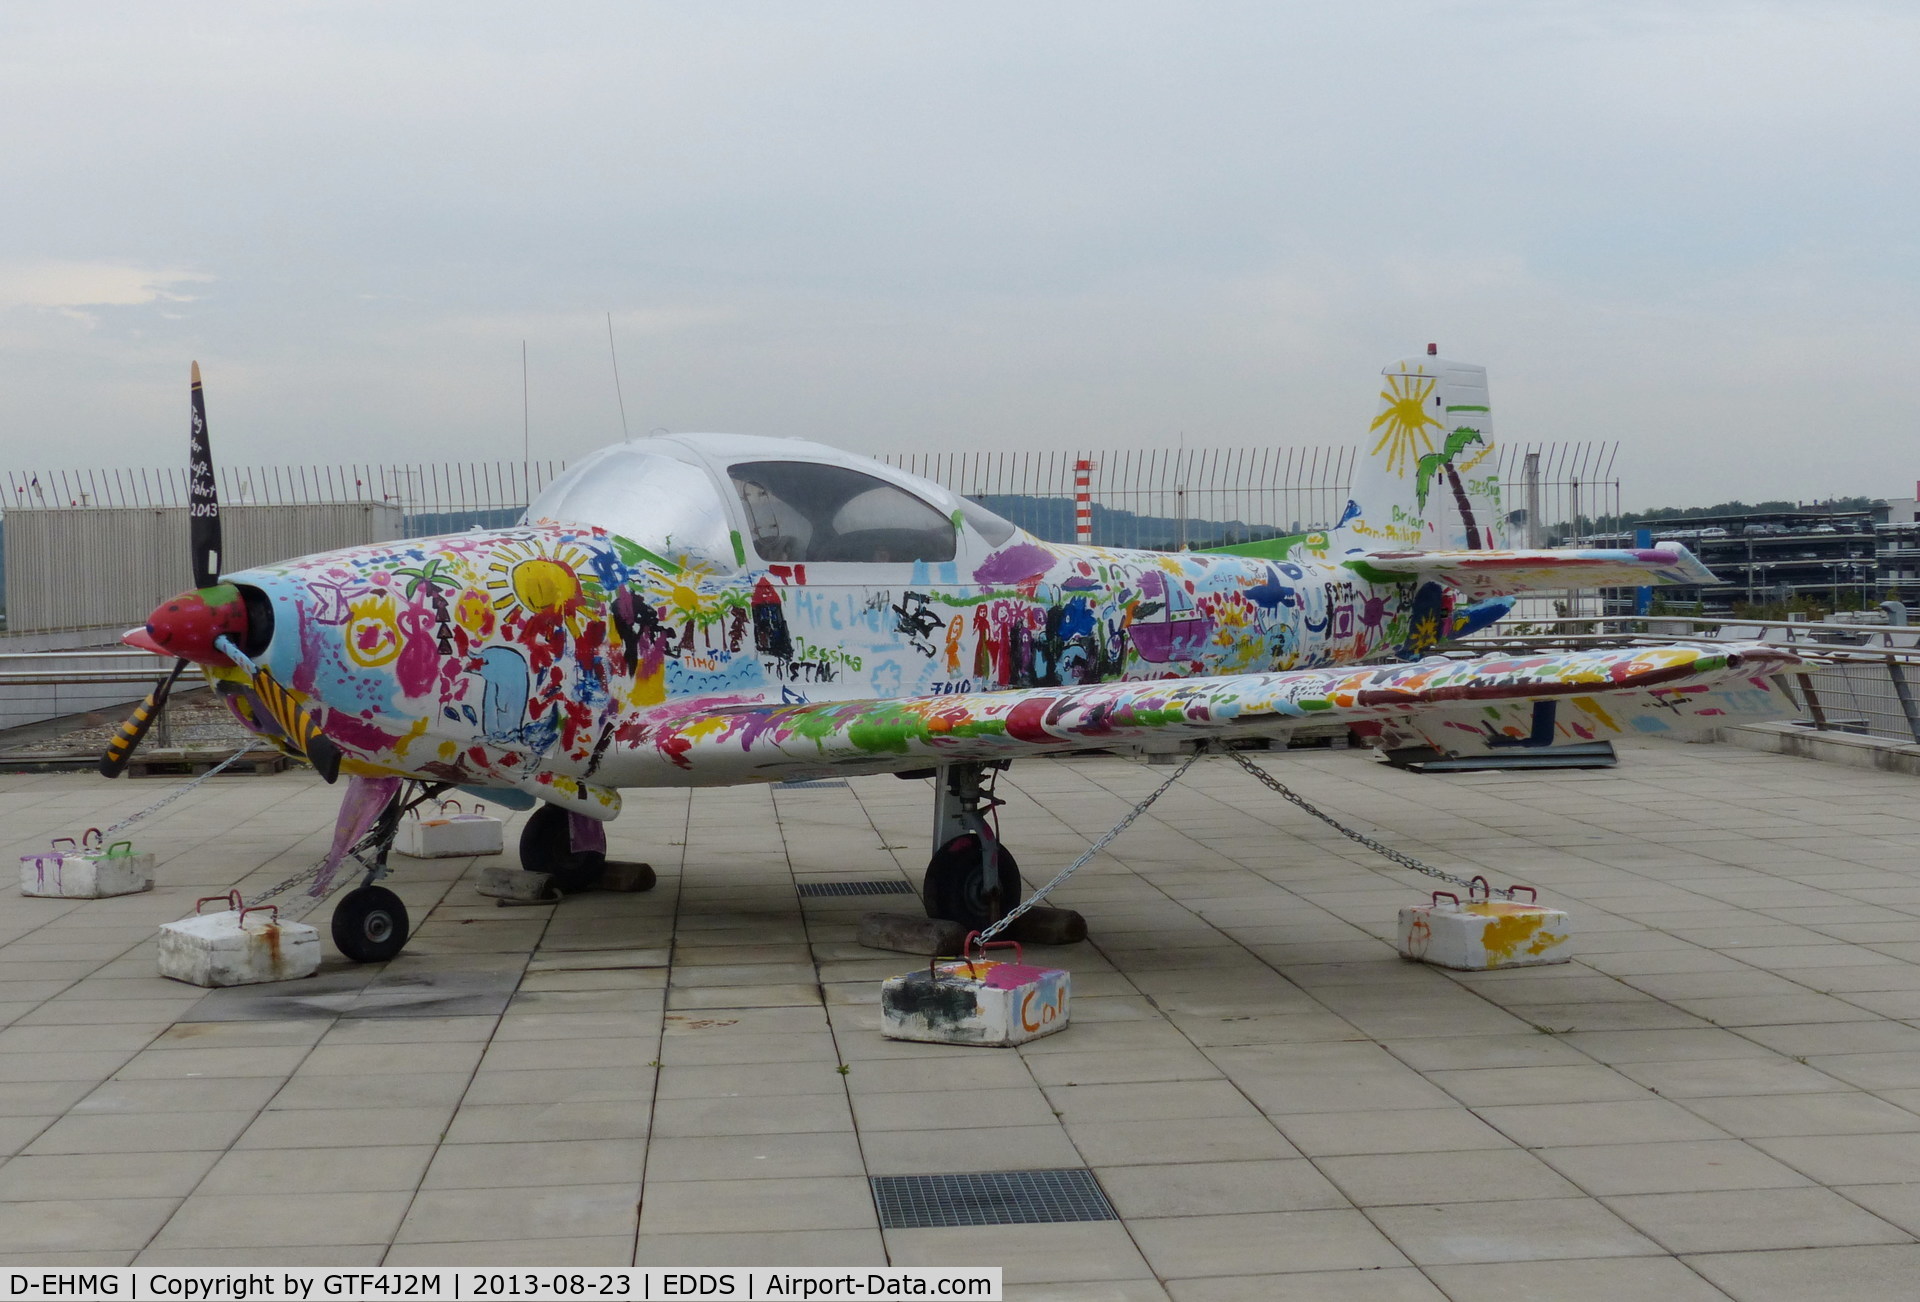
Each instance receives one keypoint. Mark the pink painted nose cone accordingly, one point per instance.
(139, 637)
(186, 625)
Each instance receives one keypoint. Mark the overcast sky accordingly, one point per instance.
(1690, 228)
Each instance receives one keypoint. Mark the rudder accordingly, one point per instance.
(1426, 480)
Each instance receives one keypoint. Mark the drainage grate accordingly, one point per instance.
(893, 887)
(808, 784)
(911, 1202)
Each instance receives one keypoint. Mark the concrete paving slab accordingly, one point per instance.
(1724, 1085)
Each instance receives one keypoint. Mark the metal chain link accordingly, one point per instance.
(1385, 851)
(358, 852)
(278, 888)
(281, 888)
(1092, 850)
(173, 795)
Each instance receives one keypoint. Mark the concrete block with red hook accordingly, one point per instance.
(976, 1000)
(1484, 932)
(237, 946)
(450, 836)
(86, 869)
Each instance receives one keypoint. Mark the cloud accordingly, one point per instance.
(998, 225)
(72, 287)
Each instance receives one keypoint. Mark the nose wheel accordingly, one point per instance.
(370, 924)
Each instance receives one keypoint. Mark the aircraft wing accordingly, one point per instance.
(1457, 706)
(1483, 574)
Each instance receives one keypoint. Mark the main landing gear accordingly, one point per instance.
(570, 849)
(972, 879)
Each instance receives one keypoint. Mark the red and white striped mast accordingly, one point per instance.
(1083, 502)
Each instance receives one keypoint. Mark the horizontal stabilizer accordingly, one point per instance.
(1482, 574)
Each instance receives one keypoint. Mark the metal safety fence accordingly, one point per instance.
(1142, 497)
(442, 495)
(1170, 498)
(1155, 498)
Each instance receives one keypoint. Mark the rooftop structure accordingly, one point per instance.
(1720, 1090)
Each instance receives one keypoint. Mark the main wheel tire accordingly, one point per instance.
(370, 924)
(956, 889)
(546, 846)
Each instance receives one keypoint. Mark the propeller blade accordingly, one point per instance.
(203, 499)
(120, 750)
(296, 722)
(324, 756)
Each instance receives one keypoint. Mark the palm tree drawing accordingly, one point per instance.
(1435, 462)
(429, 576)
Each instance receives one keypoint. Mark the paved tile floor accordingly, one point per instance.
(1720, 1097)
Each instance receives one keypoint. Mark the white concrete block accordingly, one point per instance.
(450, 836)
(975, 1001)
(88, 874)
(1484, 933)
(237, 947)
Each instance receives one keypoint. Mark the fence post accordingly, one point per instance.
(1897, 618)
(1530, 472)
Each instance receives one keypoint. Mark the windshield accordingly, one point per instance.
(666, 505)
(809, 511)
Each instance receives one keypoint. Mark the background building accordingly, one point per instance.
(1810, 557)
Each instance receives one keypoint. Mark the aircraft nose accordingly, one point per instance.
(139, 637)
(186, 625)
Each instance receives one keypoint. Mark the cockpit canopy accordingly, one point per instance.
(726, 498)
(667, 504)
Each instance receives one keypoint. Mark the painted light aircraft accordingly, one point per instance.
(706, 609)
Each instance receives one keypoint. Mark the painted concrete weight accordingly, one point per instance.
(86, 874)
(1484, 933)
(237, 946)
(977, 1001)
(455, 836)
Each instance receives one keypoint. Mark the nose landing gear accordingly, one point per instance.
(370, 923)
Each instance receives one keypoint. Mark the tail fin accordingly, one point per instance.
(1426, 479)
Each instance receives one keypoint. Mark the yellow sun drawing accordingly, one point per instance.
(523, 575)
(691, 595)
(1406, 421)
(1426, 633)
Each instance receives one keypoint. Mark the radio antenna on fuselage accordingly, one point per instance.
(611, 352)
